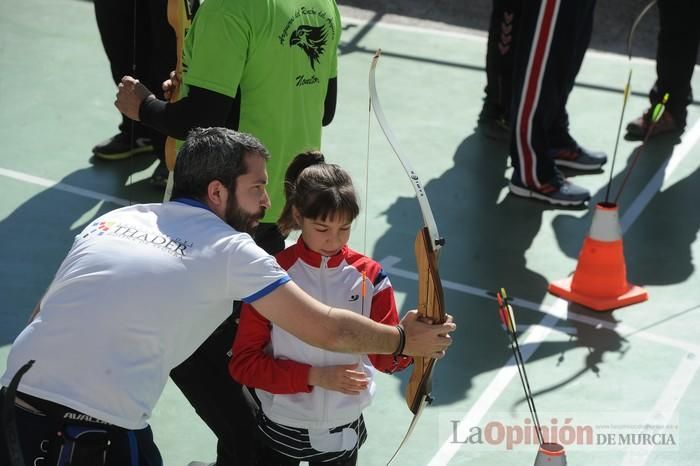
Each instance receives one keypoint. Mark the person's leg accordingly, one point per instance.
(33, 430)
(148, 452)
(564, 149)
(537, 89)
(44, 437)
(579, 36)
(97, 444)
(352, 461)
(204, 380)
(206, 383)
(115, 22)
(157, 57)
(676, 53)
(495, 113)
(271, 457)
(679, 36)
(545, 46)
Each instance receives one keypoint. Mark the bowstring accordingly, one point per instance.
(132, 123)
(626, 93)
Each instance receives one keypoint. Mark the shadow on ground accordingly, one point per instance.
(36, 236)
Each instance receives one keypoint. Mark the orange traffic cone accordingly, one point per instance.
(600, 279)
(551, 454)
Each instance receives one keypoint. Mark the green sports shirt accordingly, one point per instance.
(281, 53)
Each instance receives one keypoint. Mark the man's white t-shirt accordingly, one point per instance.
(141, 288)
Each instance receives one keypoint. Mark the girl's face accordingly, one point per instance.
(325, 237)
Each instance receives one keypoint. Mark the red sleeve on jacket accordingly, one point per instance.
(250, 365)
(384, 311)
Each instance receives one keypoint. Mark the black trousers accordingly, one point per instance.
(80, 443)
(218, 399)
(271, 457)
(551, 44)
(137, 33)
(500, 52)
(676, 54)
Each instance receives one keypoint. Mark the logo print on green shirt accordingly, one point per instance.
(312, 40)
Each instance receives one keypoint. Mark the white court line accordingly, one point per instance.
(467, 34)
(389, 265)
(688, 141)
(478, 36)
(46, 183)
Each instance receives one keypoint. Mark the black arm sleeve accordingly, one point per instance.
(329, 104)
(200, 108)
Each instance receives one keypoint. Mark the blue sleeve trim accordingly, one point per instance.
(267, 290)
(380, 276)
(193, 203)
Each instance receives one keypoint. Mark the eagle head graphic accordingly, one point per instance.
(312, 40)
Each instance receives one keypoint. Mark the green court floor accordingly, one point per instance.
(614, 372)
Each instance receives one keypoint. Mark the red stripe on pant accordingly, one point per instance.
(539, 54)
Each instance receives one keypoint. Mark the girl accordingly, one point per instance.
(311, 400)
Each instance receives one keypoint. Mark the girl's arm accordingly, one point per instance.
(250, 365)
(384, 311)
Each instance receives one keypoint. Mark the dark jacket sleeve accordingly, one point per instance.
(331, 99)
(200, 108)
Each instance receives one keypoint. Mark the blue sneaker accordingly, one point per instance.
(557, 191)
(579, 158)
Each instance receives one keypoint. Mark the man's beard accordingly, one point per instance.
(241, 220)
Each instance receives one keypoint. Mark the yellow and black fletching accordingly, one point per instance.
(505, 311)
(511, 319)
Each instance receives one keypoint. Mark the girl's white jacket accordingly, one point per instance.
(277, 363)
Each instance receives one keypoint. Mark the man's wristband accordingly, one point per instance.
(402, 342)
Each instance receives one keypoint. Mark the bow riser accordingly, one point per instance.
(180, 13)
(430, 306)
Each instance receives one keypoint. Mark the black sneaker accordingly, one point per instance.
(579, 158)
(120, 147)
(557, 191)
(493, 122)
(638, 128)
(497, 128)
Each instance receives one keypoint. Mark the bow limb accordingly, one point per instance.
(180, 13)
(430, 294)
(436, 241)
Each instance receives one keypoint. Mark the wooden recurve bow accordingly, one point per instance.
(427, 245)
(180, 14)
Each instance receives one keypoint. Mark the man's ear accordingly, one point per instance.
(217, 196)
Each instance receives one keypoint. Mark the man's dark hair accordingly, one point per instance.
(210, 154)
